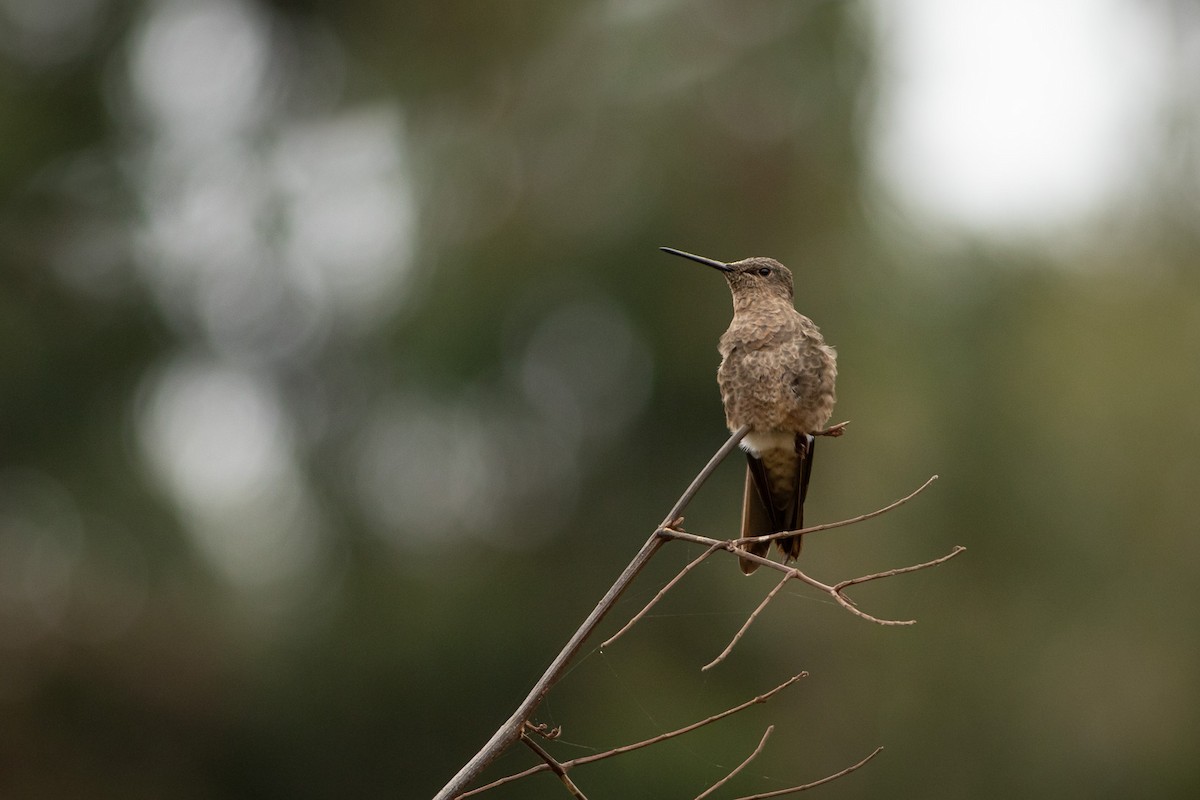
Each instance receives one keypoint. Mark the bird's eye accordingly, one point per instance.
(764, 271)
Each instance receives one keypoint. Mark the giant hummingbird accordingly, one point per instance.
(777, 376)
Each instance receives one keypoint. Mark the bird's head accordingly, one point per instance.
(750, 279)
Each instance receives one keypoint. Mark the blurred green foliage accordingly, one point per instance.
(340, 375)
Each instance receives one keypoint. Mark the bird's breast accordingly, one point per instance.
(776, 375)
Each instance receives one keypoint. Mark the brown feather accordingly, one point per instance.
(768, 509)
(756, 515)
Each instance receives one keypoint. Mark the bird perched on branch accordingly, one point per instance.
(777, 376)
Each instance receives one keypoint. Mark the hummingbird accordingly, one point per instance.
(777, 375)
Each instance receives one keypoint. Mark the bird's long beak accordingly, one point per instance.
(701, 259)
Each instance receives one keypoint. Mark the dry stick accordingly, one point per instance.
(840, 523)
(746, 625)
(814, 784)
(899, 570)
(555, 767)
(723, 546)
(662, 737)
(739, 767)
(543, 730)
(508, 733)
(792, 572)
(670, 584)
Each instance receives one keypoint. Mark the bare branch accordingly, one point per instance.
(814, 784)
(543, 730)
(791, 572)
(737, 547)
(670, 584)
(730, 444)
(840, 523)
(839, 598)
(555, 767)
(515, 727)
(848, 604)
(739, 767)
(662, 737)
(749, 621)
(901, 570)
(508, 733)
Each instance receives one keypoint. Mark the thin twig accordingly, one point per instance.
(730, 444)
(739, 767)
(662, 737)
(814, 784)
(659, 596)
(507, 734)
(555, 767)
(900, 570)
(543, 730)
(848, 604)
(840, 523)
(746, 625)
(792, 572)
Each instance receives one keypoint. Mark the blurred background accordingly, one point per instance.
(340, 375)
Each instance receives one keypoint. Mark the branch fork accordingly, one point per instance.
(519, 728)
(836, 591)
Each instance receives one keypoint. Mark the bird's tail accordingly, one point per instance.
(765, 512)
(756, 515)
